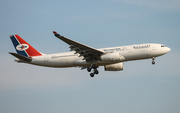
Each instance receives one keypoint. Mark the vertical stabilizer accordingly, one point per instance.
(22, 47)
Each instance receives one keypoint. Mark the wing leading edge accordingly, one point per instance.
(89, 53)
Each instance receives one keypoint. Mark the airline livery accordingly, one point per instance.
(85, 56)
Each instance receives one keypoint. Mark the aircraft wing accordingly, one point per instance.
(87, 52)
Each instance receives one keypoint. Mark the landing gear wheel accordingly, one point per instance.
(92, 74)
(153, 62)
(93, 66)
(96, 71)
(89, 69)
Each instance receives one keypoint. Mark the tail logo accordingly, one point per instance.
(22, 47)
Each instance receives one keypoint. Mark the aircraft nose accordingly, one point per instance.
(168, 49)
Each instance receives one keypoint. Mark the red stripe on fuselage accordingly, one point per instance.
(30, 51)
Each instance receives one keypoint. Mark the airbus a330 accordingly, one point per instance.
(85, 56)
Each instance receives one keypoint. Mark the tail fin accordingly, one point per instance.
(23, 48)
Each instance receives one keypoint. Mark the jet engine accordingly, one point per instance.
(114, 67)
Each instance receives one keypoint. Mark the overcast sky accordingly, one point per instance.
(140, 88)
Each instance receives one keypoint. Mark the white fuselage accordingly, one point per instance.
(127, 53)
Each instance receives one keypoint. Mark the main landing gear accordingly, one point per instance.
(95, 71)
(153, 62)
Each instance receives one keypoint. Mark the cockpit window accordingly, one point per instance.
(162, 46)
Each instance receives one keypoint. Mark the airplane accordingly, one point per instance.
(86, 57)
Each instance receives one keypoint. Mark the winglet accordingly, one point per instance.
(56, 34)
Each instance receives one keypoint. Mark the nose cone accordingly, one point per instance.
(168, 49)
(165, 50)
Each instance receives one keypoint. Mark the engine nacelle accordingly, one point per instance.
(114, 67)
(111, 57)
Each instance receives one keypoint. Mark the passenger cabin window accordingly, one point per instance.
(162, 46)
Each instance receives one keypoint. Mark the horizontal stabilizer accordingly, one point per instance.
(21, 57)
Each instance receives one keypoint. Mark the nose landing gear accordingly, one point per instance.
(95, 71)
(153, 62)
